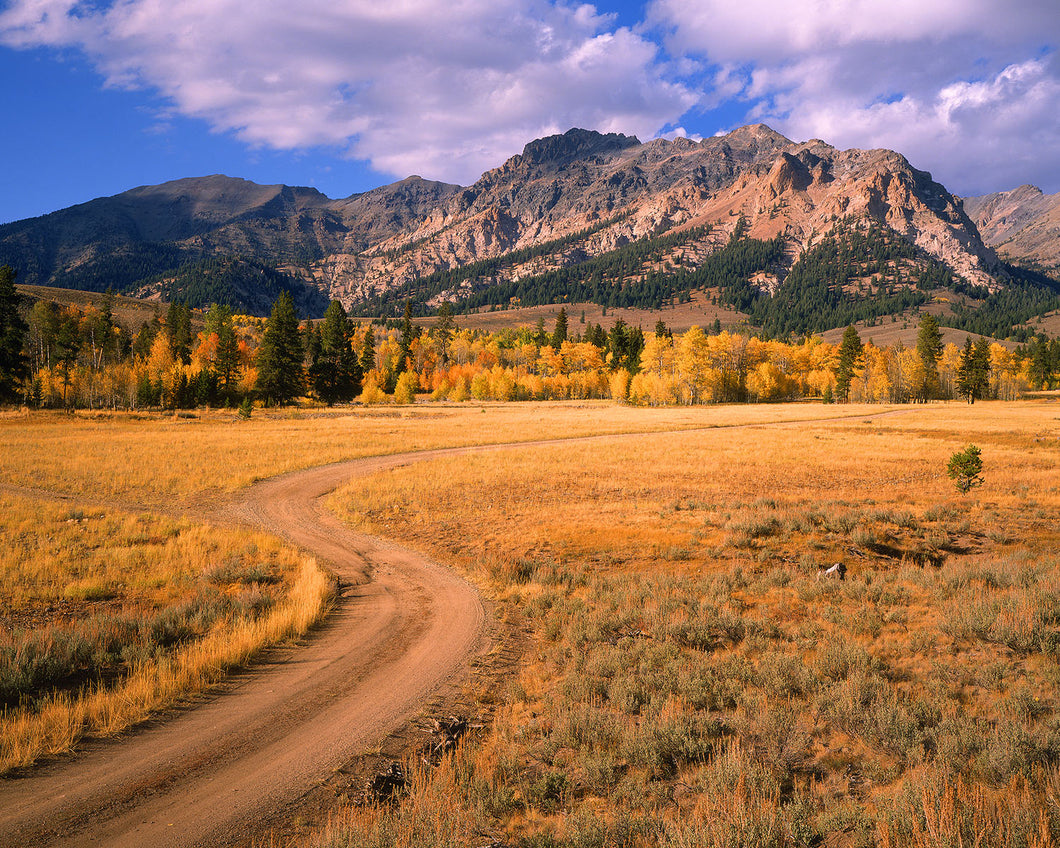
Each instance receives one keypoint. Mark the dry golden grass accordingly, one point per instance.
(55, 725)
(154, 459)
(693, 682)
(106, 616)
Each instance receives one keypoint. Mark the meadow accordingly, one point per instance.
(687, 678)
(691, 680)
(119, 598)
(192, 458)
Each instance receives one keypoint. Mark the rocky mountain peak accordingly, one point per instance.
(574, 144)
(1022, 223)
(587, 192)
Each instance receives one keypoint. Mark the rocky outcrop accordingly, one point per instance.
(1022, 224)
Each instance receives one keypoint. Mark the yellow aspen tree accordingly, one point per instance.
(728, 353)
(872, 383)
(695, 376)
(460, 347)
(909, 368)
(949, 362)
(405, 390)
(1007, 378)
(658, 355)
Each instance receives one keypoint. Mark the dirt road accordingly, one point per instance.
(230, 767)
(212, 774)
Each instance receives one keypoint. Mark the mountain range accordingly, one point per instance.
(797, 236)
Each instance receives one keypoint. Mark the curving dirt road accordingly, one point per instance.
(213, 774)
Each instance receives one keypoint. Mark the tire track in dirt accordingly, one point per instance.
(226, 769)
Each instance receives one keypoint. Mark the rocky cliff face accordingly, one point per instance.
(1023, 224)
(568, 183)
(609, 188)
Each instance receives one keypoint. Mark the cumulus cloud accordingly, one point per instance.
(968, 89)
(445, 90)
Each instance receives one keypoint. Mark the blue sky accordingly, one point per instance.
(101, 96)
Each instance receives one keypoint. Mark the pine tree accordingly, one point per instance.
(312, 346)
(281, 377)
(67, 347)
(336, 374)
(850, 353)
(929, 349)
(965, 371)
(559, 334)
(409, 333)
(540, 336)
(178, 326)
(226, 362)
(13, 365)
(443, 332)
(973, 370)
(106, 333)
(367, 358)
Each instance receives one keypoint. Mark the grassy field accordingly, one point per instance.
(157, 460)
(689, 680)
(692, 680)
(108, 614)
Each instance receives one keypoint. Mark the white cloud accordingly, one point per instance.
(968, 89)
(778, 30)
(445, 90)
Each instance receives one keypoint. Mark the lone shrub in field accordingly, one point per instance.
(965, 468)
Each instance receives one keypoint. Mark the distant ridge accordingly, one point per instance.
(1023, 224)
(565, 200)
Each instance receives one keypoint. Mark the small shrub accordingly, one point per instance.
(965, 468)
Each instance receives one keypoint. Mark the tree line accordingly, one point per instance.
(54, 356)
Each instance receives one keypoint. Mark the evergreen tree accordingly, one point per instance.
(280, 374)
(226, 363)
(13, 365)
(67, 347)
(443, 332)
(145, 337)
(625, 344)
(1041, 365)
(336, 374)
(106, 333)
(178, 327)
(559, 334)
(850, 353)
(312, 346)
(965, 371)
(980, 369)
(973, 370)
(367, 358)
(929, 349)
(540, 336)
(409, 333)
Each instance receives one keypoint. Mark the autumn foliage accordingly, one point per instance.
(83, 358)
